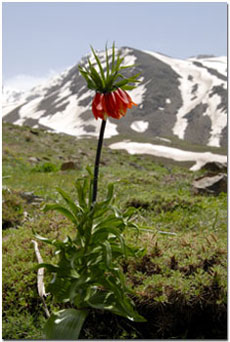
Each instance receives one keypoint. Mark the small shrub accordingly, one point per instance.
(46, 167)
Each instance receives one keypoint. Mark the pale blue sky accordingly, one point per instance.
(39, 38)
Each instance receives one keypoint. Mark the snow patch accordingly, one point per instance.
(137, 94)
(65, 92)
(29, 111)
(140, 126)
(217, 63)
(218, 119)
(129, 58)
(164, 139)
(200, 158)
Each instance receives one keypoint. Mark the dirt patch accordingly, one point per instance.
(164, 321)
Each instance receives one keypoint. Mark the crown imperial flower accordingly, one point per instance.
(113, 104)
(111, 98)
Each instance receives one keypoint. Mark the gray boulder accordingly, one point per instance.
(215, 167)
(210, 184)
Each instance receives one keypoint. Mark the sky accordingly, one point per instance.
(40, 39)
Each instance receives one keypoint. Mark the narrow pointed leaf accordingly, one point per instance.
(128, 87)
(119, 61)
(113, 57)
(121, 83)
(128, 66)
(107, 62)
(61, 210)
(95, 76)
(49, 267)
(99, 64)
(108, 253)
(74, 208)
(81, 194)
(43, 239)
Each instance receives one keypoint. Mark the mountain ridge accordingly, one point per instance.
(176, 98)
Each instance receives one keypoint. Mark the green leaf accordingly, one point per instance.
(104, 204)
(107, 62)
(90, 82)
(99, 211)
(128, 80)
(123, 305)
(121, 83)
(75, 209)
(108, 230)
(84, 73)
(99, 64)
(109, 193)
(90, 172)
(108, 253)
(101, 300)
(61, 210)
(130, 212)
(128, 66)
(43, 239)
(49, 267)
(113, 57)
(95, 76)
(119, 61)
(130, 312)
(94, 260)
(110, 221)
(76, 284)
(128, 87)
(65, 324)
(85, 188)
(81, 190)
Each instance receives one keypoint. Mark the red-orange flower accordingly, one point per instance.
(113, 104)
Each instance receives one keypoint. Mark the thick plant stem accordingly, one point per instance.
(97, 161)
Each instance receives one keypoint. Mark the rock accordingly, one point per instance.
(214, 184)
(30, 197)
(68, 166)
(215, 167)
(34, 132)
(34, 159)
(136, 166)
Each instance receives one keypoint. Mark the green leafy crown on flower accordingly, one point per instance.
(110, 79)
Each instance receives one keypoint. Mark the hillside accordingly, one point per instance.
(180, 283)
(177, 99)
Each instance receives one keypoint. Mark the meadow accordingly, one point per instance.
(180, 282)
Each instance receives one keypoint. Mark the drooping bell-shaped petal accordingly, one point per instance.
(125, 98)
(111, 106)
(97, 106)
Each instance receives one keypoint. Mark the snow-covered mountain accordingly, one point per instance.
(182, 98)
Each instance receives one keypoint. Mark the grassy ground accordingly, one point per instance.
(180, 283)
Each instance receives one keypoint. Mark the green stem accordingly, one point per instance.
(97, 161)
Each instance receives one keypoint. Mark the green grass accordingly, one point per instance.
(188, 267)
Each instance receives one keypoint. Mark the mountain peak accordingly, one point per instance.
(185, 99)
